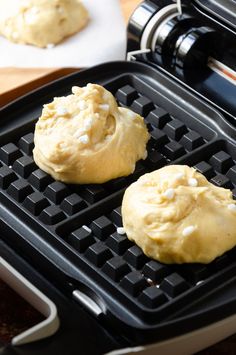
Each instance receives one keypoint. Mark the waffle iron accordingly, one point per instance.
(180, 76)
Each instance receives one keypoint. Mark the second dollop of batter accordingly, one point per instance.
(177, 216)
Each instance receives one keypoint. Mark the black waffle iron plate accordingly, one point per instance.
(48, 222)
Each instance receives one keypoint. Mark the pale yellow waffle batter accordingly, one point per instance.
(176, 216)
(41, 22)
(86, 138)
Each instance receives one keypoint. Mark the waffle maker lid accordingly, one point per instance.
(195, 47)
(225, 10)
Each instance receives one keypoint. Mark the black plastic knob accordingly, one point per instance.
(193, 49)
(168, 35)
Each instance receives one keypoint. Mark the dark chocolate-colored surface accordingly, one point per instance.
(226, 347)
(16, 315)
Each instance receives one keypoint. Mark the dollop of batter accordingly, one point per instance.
(41, 23)
(177, 216)
(86, 138)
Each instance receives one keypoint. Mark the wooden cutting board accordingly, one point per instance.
(15, 82)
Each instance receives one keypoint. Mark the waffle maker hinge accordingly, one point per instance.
(194, 46)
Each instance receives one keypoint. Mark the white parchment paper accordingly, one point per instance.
(104, 39)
